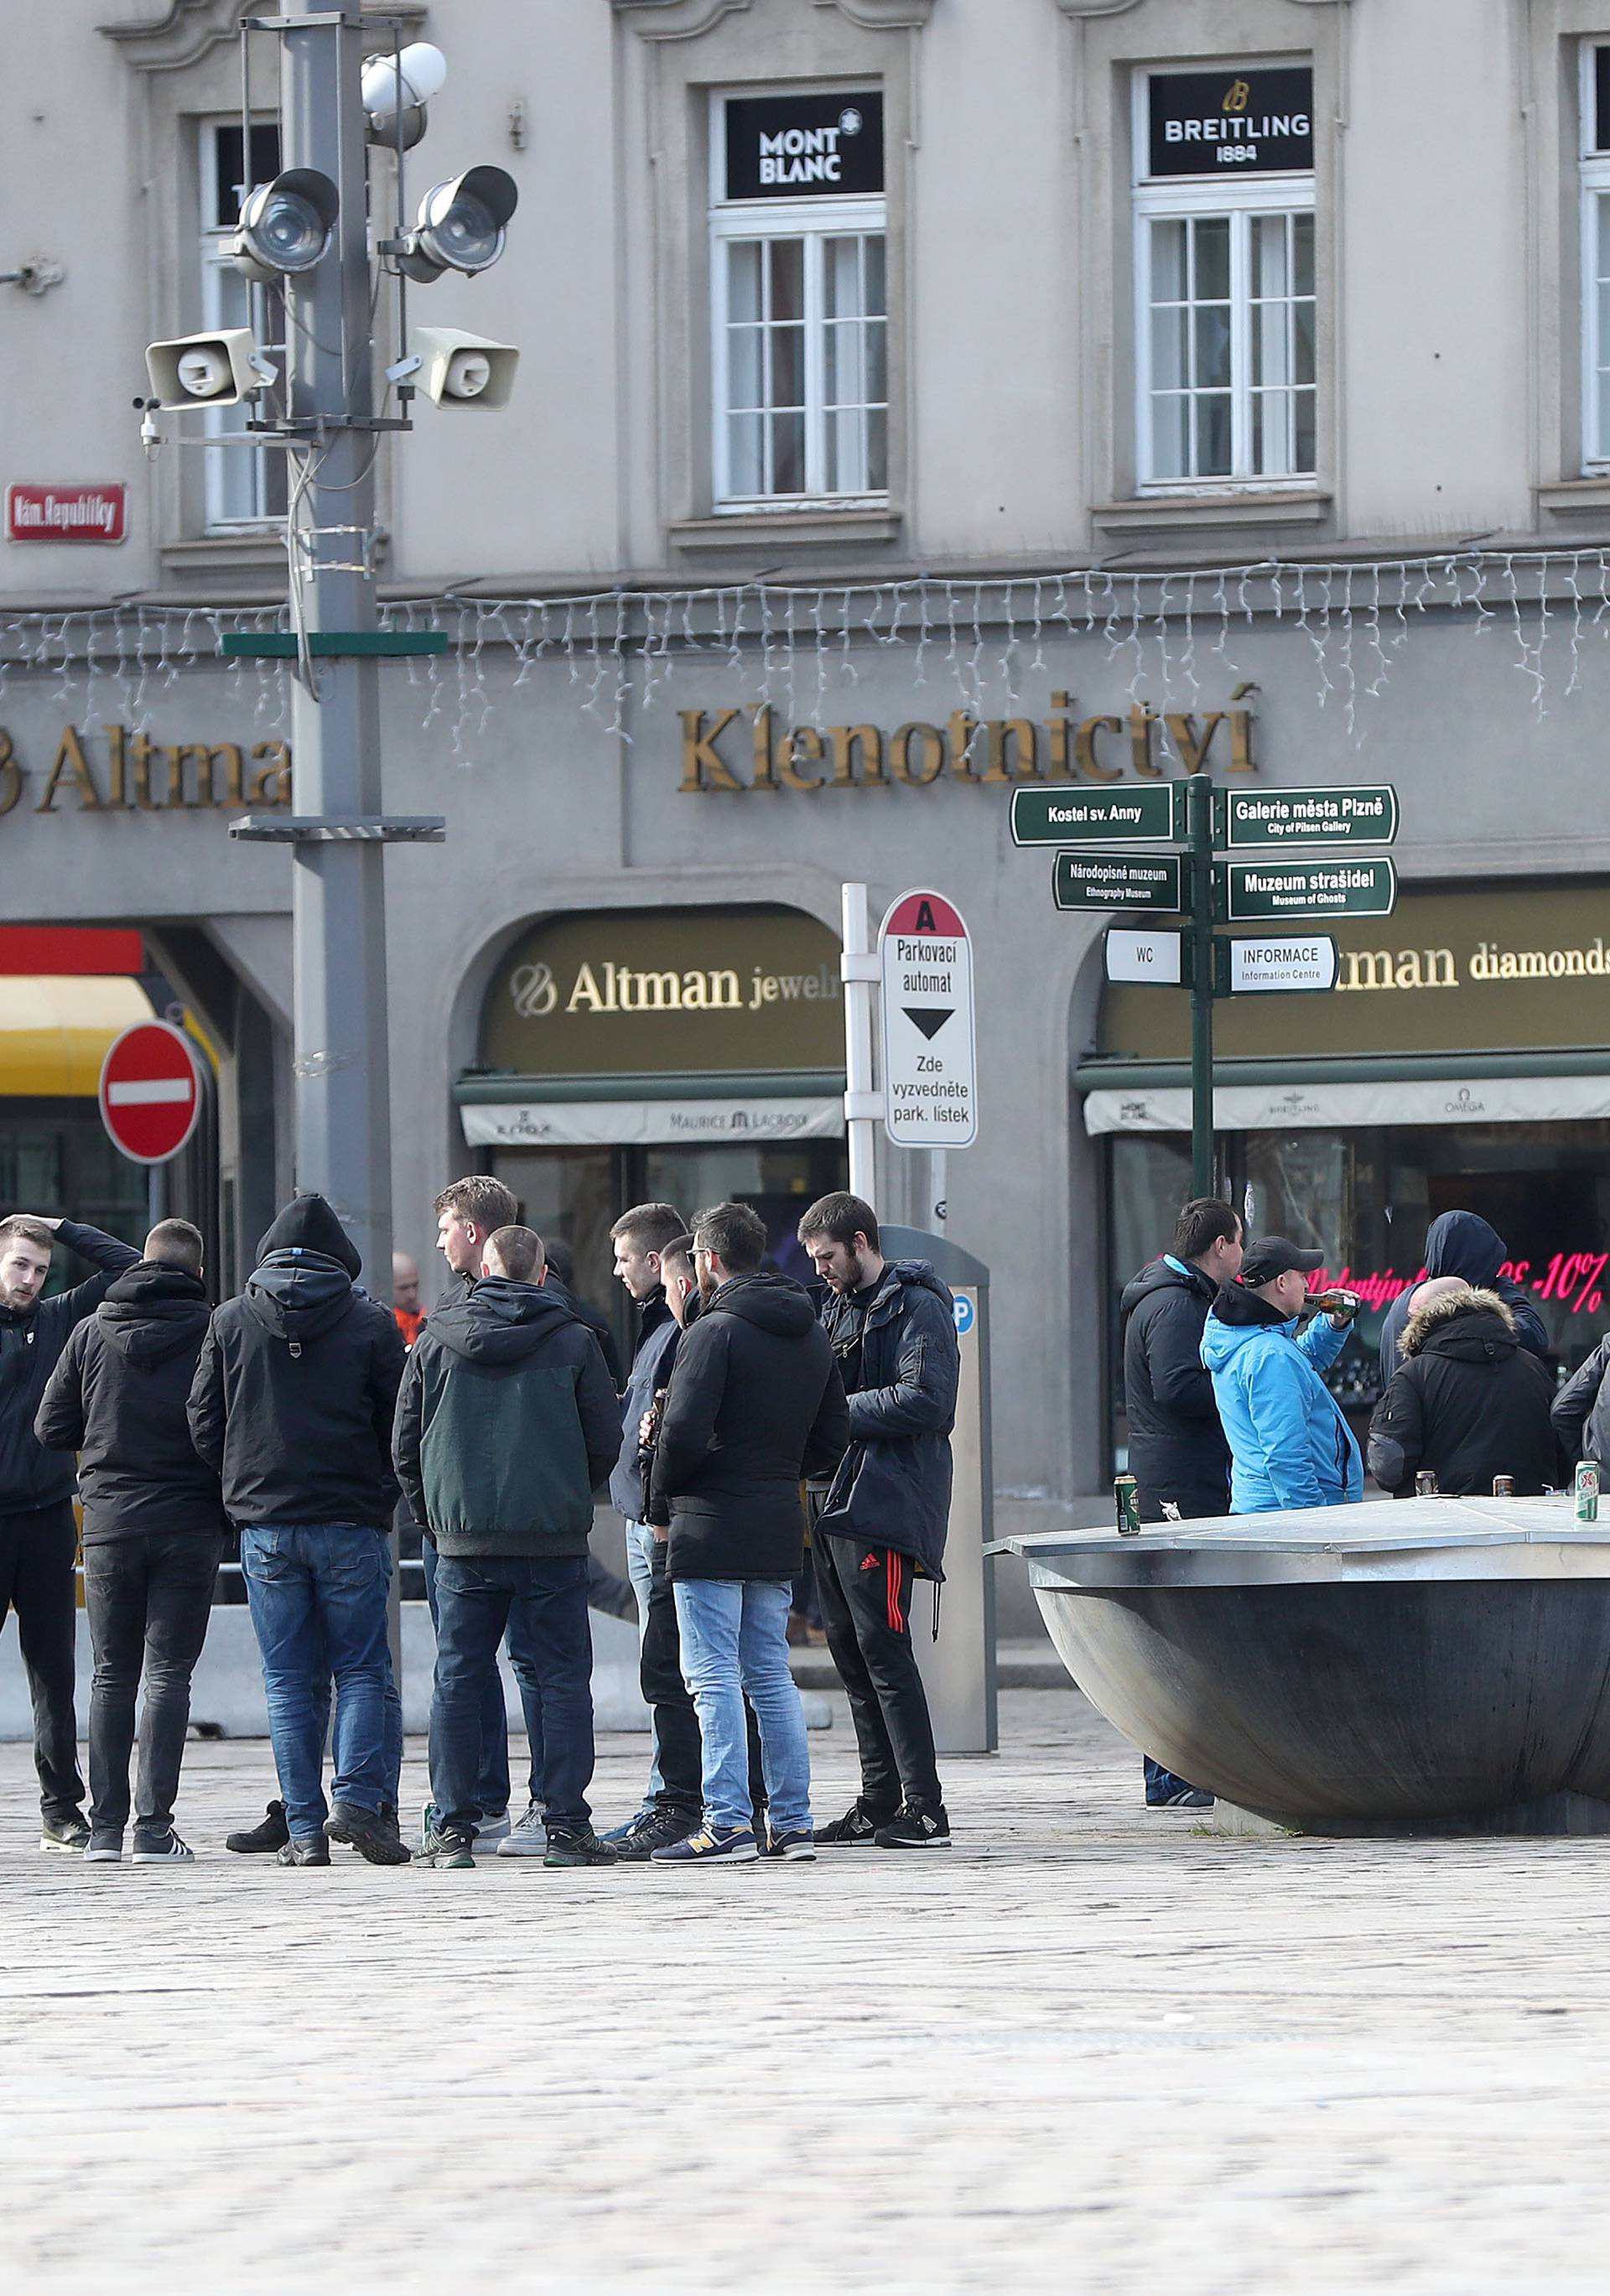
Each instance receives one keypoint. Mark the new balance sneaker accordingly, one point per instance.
(67, 1836)
(651, 1830)
(303, 1849)
(799, 1844)
(261, 1840)
(919, 1825)
(161, 1849)
(856, 1829)
(104, 1849)
(368, 1833)
(495, 1826)
(528, 1837)
(450, 1850)
(578, 1846)
(735, 1843)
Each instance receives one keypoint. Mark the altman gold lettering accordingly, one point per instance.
(189, 776)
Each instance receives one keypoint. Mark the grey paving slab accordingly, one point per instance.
(1092, 2049)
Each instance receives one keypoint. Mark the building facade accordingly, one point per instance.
(919, 399)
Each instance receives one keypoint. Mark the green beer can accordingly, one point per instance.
(1126, 1501)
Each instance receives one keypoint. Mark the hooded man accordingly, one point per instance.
(293, 1405)
(1466, 1403)
(38, 1537)
(1463, 1244)
(507, 1424)
(154, 1530)
(1290, 1446)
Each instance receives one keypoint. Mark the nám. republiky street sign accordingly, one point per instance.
(930, 1061)
(1117, 880)
(1146, 813)
(1266, 818)
(1258, 890)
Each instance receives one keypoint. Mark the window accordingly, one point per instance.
(245, 486)
(1224, 258)
(1596, 257)
(798, 299)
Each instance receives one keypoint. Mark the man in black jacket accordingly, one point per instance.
(1582, 1410)
(1178, 1454)
(1465, 1245)
(293, 1405)
(154, 1530)
(507, 1424)
(755, 1402)
(38, 1539)
(1466, 1401)
(892, 1324)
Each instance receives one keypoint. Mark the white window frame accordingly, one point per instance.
(1169, 197)
(225, 420)
(828, 216)
(1594, 171)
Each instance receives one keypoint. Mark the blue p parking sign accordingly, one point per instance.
(966, 1315)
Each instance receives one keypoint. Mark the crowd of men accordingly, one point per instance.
(1228, 1411)
(302, 1415)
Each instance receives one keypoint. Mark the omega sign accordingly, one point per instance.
(138, 775)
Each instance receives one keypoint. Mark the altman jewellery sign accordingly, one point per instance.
(750, 749)
(130, 773)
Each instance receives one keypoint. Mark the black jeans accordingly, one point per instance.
(474, 1597)
(675, 1717)
(37, 1551)
(149, 1600)
(866, 1595)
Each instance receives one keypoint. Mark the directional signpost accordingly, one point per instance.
(1157, 958)
(1257, 890)
(1141, 813)
(1117, 880)
(1255, 966)
(930, 1062)
(1271, 817)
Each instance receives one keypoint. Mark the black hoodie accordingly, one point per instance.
(31, 1340)
(507, 1423)
(296, 1387)
(1467, 1403)
(1463, 1244)
(117, 1399)
(1177, 1447)
(755, 1402)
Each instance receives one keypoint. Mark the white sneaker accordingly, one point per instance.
(166, 1850)
(528, 1838)
(495, 1826)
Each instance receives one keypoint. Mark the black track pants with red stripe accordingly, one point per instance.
(865, 1596)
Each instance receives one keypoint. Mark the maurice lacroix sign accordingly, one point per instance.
(782, 147)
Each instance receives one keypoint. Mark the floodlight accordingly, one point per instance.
(210, 370)
(406, 83)
(461, 224)
(285, 226)
(459, 370)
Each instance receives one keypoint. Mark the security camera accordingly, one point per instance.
(211, 370)
(457, 370)
(285, 226)
(405, 82)
(462, 224)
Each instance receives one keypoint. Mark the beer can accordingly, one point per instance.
(1126, 1501)
(1503, 1486)
(1425, 1484)
(1587, 1491)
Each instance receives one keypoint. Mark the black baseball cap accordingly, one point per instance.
(1269, 1256)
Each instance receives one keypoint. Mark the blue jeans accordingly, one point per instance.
(640, 1545)
(735, 1643)
(394, 1723)
(304, 1582)
(543, 1600)
(492, 1789)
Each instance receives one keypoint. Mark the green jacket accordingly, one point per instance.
(507, 1424)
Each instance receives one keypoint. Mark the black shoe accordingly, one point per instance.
(584, 1847)
(1179, 1798)
(456, 1851)
(257, 1841)
(656, 1829)
(856, 1829)
(920, 1825)
(304, 1849)
(371, 1834)
(68, 1836)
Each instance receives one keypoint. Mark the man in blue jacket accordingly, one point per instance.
(1290, 1446)
(892, 1325)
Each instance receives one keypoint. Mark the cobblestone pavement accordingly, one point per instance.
(1091, 2049)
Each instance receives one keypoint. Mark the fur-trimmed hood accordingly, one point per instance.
(1474, 1322)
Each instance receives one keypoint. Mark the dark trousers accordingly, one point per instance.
(38, 1551)
(866, 1597)
(475, 1597)
(149, 1598)
(493, 1789)
(1202, 1500)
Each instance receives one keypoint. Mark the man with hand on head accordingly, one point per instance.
(507, 1424)
(154, 1530)
(38, 1539)
(1290, 1446)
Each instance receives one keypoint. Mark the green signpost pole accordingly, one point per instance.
(1199, 802)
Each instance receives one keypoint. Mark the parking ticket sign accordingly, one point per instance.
(930, 1054)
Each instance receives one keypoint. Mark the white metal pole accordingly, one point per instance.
(862, 1105)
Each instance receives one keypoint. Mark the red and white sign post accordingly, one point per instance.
(150, 1092)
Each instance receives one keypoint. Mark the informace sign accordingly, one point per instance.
(930, 1056)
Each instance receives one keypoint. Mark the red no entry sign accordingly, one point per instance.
(151, 1094)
